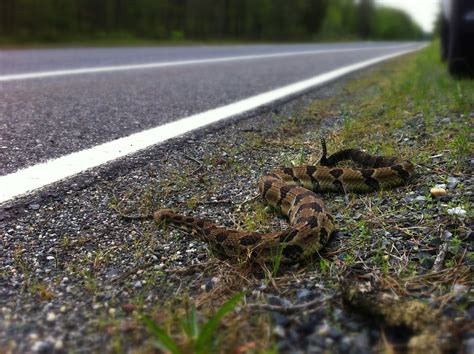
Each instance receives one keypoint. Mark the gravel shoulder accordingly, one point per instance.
(75, 275)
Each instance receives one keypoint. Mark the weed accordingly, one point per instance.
(41, 291)
(276, 260)
(193, 201)
(90, 281)
(253, 222)
(199, 338)
(324, 265)
(462, 145)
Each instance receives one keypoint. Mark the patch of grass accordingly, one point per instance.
(275, 263)
(417, 91)
(198, 338)
(254, 221)
(90, 281)
(41, 291)
(324, 265)
(461, 144)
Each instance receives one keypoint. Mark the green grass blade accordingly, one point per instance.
(205, 337)
(163, 339)
(190, 324)
(276, 260)
(193, 324)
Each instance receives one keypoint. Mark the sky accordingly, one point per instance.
(424, 12)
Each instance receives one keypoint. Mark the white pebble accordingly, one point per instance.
(323, 330)
(279, 331)
(50, 317)
(58, 344)
(33, 336)
(40, 346)
(457, 288)
(138, 284)
(457, 211)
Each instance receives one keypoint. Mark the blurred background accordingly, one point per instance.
(182, 21)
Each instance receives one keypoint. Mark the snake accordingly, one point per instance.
(294, 192)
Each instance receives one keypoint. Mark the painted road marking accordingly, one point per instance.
(102, 69)
(43, 174)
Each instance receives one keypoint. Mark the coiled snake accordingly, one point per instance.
(291, 191)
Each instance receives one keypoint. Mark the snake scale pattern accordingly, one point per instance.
(292, 192)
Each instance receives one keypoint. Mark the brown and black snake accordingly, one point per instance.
(292, 192)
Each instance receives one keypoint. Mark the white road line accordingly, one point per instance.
(43, 174)
(102, 69)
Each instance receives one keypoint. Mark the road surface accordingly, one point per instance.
(57, 102)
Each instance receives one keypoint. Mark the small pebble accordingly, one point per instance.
(447, 235)
(452, 182)
(457, 211)
(469, 346)
(446, 120)
(41, 347)
(323, 330)
(33, 336)
(420, 198)
(459, 288)
(438, 192)
(279, 319)
(362, 341)
(328, 342)
(58, 344)
(279, 331)
(277, 301)
(346, 343)
(303, 293)
(138, 284)
(50, 317)
(334, 333)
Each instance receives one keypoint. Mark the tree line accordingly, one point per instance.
(201, 20)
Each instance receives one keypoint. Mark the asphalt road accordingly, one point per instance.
(43, 118)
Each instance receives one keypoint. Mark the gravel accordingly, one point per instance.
(74, 272)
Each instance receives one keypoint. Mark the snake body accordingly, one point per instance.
(292, 192)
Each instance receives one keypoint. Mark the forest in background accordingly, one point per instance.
(50, 21)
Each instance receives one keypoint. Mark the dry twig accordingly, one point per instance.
(286, 309)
